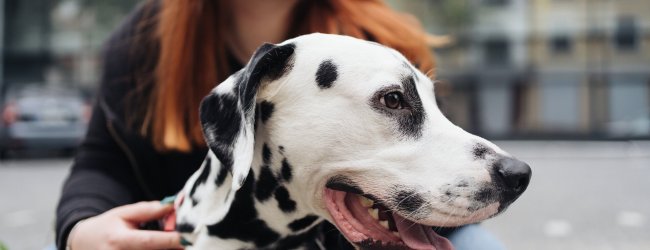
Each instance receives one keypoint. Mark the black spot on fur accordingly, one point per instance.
(205, 171)
(409, 201)
(281, 149)
(241, 221)
(221, 120)
(185, 228)
(203, 176)
(266, 154)
(480, 151)
(486, 195)
(269, 62)
(221, 114)
(277, 62)
(266, 109)
(302, 223)
(266, 184)
(411, 124)
(326, 75)
(410, 118)
(221, 176)
(287, 172)
(285, 202)
(208, 163)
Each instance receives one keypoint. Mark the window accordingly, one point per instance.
(560, 44)
(497, 51)
(496, 2)
(626, 34)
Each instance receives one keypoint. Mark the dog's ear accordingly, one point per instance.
(228, 112)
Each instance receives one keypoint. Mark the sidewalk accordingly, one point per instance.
(583, 195)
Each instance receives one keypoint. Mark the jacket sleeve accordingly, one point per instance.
(102, 176)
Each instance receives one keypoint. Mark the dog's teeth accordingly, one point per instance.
(384, 223)
(397, 234)
(374, 213)
(365, 202)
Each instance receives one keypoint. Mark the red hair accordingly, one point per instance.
(193, 56)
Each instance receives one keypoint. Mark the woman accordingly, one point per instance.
(144, 138)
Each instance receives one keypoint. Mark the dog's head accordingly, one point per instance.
(370, 150)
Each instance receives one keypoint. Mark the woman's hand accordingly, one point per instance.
(118, 229)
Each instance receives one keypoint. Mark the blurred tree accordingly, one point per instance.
(103, 16)
(442, 17)
(454, 16)
(80, 28)
(109, 12)
(94, 18)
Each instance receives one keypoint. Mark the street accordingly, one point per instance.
(583, 195)
(29, 191)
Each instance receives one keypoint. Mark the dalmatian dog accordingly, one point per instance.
(329, 127)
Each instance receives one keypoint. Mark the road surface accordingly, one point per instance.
(583, 195)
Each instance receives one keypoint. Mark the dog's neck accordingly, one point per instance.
(261, 214)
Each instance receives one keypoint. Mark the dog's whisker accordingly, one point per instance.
(411, 195)
(405, 198)
(422, 206)
(430, 73)
(449, 216)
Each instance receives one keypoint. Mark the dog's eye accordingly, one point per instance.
(392, 100)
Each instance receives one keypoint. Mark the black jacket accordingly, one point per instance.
(114, 165)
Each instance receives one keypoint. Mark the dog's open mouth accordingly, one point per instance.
(369, 224)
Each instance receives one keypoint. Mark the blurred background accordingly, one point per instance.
(547, 69)
(562, 84)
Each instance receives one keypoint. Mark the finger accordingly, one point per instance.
(144, 239)
(143, 211)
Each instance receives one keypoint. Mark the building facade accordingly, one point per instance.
(513, 68)
(546, 68)
(55, 42)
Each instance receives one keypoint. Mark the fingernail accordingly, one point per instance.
(168, 200)
(185, 243)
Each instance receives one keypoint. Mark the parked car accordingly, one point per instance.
(35, 117)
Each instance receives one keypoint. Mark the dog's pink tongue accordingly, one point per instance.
(420, 237)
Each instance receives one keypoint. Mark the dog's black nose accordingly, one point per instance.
(514, 175)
